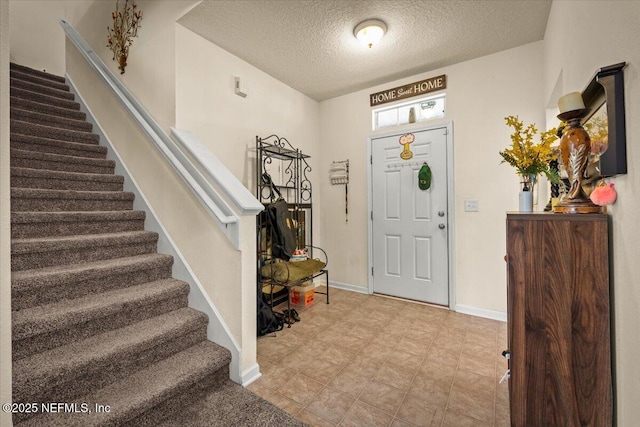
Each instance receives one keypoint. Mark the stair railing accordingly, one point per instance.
(181, 153)
(243, 201)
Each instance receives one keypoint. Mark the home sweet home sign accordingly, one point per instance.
(407, 91)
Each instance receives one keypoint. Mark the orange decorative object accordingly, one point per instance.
(303, 296)
(604, 194)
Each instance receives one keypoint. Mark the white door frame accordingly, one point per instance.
(450, 203)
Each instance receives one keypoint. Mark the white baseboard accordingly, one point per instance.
(348, 287)
(460, 308)
(250, 375)
(481, 312)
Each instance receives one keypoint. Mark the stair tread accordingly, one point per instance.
(70, 194)
(52, 120)
(42, 89)
(61, 158)
(37, 252)
(45, 318)
(90, 353)
(32, 177)
(38, 140)
(74, 176)
(43, 98)
(21, 75)
(23, 160)
(71, 216)
(30, 224)
(48, 276)
(21, 127)
(56, 243)
(143, 390)
(222, 403)
(43, 74)
(54, 110)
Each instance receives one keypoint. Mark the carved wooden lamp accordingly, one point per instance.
(575, 147)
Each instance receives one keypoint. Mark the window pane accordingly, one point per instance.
(387, 118)
(403, 114)
(425, 109)
(432, 109)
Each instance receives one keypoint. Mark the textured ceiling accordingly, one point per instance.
(309, 45)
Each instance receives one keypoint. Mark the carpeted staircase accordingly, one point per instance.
(97, 318)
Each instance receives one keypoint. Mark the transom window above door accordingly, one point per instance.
(423, 109)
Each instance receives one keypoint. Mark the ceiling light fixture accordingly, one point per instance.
(370, 31)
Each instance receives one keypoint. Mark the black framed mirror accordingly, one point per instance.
(604, 97)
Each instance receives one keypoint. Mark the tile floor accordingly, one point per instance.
(367, 360)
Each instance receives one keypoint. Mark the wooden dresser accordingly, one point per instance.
(559, 319)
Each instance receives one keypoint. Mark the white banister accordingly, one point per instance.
(219, 209)
(238, 194)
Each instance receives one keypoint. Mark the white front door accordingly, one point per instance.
(409, 225)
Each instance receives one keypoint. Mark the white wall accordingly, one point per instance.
(5, 226)
(480, 93)
(207, 105)
(578, 41)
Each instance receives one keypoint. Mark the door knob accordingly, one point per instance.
(440, 213)
(441, 226)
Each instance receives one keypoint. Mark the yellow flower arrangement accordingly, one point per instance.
(528, 158)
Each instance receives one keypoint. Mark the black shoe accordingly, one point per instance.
(292, 314)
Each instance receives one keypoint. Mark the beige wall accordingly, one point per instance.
(207, 105)
(225, 274)
(37, 40)
(578, 41)
(581, 37)
(5, 227)
(150, 71)
(190, 226)
(480, 93)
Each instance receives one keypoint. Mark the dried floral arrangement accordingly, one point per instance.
(126, 22)
(528, 158)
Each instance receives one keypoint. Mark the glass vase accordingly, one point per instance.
(525, 199)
